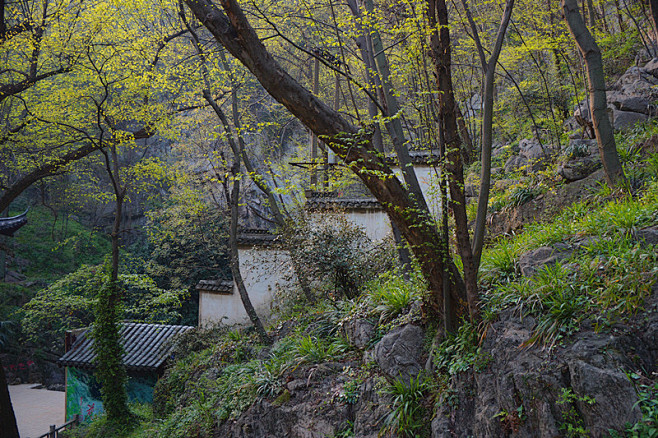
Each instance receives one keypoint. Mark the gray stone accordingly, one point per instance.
(636, 104)
(652, 67)
(627, 119)
(359, 332)
(532, 378)
(399, 353)
(608, 386)
(583, 144)
(534, 260)
(647, 235)
(514, 163)
(531, 149)
(578, 168)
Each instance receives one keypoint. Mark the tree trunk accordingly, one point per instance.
(441, 55)
(107, 342)
(597, 92)
(235, 258)
(8, 427)
(653, 7)
(489, 69)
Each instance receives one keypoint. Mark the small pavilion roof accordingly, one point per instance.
(9, 225)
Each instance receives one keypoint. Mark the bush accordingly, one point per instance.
(340, 256)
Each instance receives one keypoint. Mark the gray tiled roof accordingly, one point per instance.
(256, 237)
(145, 347)
(9, 225)
(326, 203)
(216, 286)
(424, 157)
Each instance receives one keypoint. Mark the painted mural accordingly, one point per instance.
(83, 395)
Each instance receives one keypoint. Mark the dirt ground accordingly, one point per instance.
(36, 409)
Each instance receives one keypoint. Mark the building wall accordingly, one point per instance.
(428, 178)
(374, 223)
(263, 270)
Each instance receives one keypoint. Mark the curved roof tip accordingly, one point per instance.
(9, 225)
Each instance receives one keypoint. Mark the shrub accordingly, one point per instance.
(340, 256)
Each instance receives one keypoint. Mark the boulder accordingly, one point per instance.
(652, 67)
(359, 332)
(531, 149)
(578, 168)
(627, 119)
(399, 353)
(521, 392)
(647, 236)
(582, 147)
(515, 162)
(630, 100)
(534, 260)
(635, 103)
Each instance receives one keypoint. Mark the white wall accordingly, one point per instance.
(374, 223)
(263, 270)
(428, 178)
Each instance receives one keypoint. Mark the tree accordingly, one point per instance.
(597, 92)
(489, 69)
(231, 28)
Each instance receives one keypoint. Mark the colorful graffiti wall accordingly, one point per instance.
(83, 395)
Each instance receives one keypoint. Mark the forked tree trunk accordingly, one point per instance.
(440, 51)
(489, 69)
(597, 92)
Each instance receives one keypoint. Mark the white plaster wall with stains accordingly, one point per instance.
(264, 269)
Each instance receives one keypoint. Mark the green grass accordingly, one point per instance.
(605, 280)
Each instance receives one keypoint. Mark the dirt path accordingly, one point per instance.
(36, 409)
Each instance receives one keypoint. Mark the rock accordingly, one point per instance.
(578, 168)
(542, 208)
(533, 380)
(471, 190)
(56, 387)
(534, 260)
(636, 104)
(652, 67)
(314, 408)
(14, 277)
(582, 114)
(399, 353)
(570, 124)
(359, 332)
(611, 388)
(627, 119)
(531, 149)
(647, 235)
(515, 162)
(582, 147)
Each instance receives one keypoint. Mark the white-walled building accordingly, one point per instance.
(264, 267)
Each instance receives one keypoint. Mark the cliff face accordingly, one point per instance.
(582, 388)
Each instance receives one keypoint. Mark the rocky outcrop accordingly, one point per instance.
(399, 353)
(359, 332)
(542, 207)
(534, 260)
(315, 403)
(631, 99)
(538, 392)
